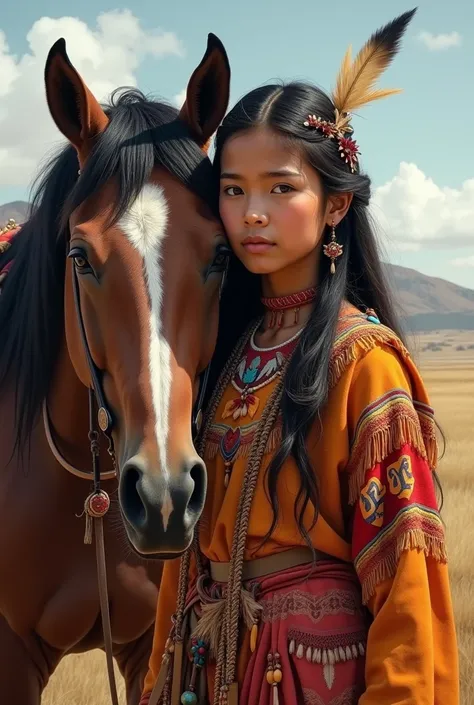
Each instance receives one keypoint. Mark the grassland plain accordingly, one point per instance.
(446, 359)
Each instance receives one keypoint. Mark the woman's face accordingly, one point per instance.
(271, 202)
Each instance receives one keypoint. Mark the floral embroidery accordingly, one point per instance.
(246, 405)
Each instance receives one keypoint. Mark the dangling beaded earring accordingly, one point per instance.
(333, 249)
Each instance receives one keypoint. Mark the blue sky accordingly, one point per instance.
(427, 127)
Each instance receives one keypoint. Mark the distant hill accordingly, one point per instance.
(17, 210)
(426, 303)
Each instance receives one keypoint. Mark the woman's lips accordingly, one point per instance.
(257, 245)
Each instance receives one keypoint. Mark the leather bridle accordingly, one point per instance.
(97, 503)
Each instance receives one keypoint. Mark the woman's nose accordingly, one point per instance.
(253, 218)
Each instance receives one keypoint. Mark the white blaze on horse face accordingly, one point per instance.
(145, 225)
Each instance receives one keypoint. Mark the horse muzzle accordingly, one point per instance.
(161, 508)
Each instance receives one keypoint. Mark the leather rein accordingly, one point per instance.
(97, 502)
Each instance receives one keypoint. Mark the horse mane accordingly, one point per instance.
(141, 134)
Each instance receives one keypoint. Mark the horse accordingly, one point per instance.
(108, 320)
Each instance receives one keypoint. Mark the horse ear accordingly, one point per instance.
(73, 108)
(207, 95)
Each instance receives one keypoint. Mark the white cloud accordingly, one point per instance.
(463, 262)
(438, 42)
(8, 68)
(106, 56)
(416, 213)
(179, 98)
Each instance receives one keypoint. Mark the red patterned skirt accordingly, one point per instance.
(312, 629)
(316, 627)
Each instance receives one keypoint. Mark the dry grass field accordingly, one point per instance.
(447, 362)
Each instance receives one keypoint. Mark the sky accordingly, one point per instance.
(416, 147)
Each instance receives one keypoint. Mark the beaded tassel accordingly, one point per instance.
(198, 657)
(274, 675)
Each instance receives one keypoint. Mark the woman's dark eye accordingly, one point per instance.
(228, 190)
(284, 188)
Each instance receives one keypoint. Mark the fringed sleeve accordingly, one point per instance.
(398, 540)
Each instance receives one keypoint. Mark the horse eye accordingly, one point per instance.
(80, 260)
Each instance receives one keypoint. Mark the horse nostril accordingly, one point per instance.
(199, 477)
(132, 503)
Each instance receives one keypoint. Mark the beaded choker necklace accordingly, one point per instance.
(277, 305)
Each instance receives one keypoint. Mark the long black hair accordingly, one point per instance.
(359, 278)
(141, 134)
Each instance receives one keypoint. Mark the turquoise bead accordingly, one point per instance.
(372, 319)
(189, 698)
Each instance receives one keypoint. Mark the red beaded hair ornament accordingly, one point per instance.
(348, 148)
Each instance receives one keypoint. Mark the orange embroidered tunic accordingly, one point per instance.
(374, 460)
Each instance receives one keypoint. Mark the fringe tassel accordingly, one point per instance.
(364, 338)
(379, 444)
(428, 431)
(212, 448)
(412, 539)
(88, 530)
(327, 658)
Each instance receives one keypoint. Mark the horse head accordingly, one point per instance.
(145, 261)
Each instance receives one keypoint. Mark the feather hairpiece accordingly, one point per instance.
(355, 84)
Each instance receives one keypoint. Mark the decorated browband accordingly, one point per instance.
(355, 86)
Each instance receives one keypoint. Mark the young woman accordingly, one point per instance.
(319, 572)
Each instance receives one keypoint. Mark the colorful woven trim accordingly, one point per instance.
(396, 512)
(356, 335)
(385, 425)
